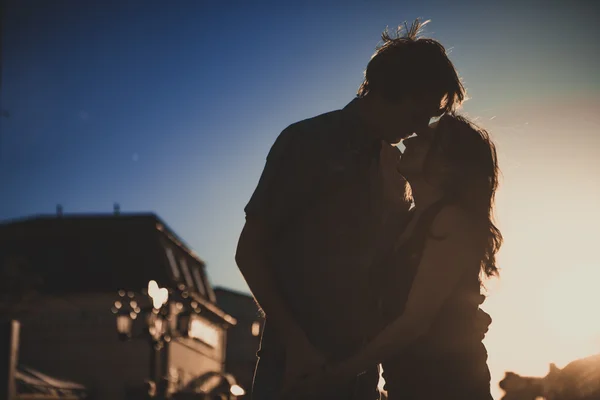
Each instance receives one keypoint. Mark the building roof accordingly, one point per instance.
(78, 253)
(66, 220)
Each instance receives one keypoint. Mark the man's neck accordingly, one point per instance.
(368, 113)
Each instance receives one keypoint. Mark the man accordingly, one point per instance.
(324, 210)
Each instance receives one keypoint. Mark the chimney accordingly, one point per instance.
(117, 209)
(59, 210)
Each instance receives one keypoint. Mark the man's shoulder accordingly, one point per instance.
(318, 128)
(321, 136)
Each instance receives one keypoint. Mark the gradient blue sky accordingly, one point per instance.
(171, 107)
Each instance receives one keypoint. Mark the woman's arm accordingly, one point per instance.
(442, 265)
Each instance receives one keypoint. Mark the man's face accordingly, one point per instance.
(410, 116)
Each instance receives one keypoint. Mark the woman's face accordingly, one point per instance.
(416, 154)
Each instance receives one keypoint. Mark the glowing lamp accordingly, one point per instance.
(124, 324)
(237, 390)
(158, 295)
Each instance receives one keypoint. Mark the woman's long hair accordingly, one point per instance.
(470, 169)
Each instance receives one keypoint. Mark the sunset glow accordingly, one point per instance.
(545, 304)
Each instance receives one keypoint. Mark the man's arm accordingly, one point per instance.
(252, 261)
(289, 182)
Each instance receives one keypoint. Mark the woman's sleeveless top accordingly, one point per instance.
(454, 328)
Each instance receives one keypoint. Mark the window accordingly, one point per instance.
(186, 273)
(172, 264)
(255, 328)
(204, 331)
(198, 279)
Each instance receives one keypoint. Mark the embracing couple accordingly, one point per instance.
(362, 255)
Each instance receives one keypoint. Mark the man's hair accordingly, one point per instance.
(406, 65)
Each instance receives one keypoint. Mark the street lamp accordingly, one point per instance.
(127, 310)
(124, 324)
(154, 316)
(159, 296)
(155, 311)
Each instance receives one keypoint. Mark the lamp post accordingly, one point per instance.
(155, 328)
(155, 312)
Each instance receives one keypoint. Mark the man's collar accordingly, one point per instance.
(363, 124)
(354, 108)
(360, 128)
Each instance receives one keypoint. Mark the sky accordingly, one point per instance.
(171, 107)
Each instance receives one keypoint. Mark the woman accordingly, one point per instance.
(428, 299)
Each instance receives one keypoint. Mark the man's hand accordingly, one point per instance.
(301, 359)
(310, 386)
(320, 383)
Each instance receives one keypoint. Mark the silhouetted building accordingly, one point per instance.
(244, 338)
(67, 269)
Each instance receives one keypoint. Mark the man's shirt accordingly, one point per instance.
(335, 202)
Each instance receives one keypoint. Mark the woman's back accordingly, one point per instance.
(450, 358)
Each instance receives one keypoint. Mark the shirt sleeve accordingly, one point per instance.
(290, 180)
